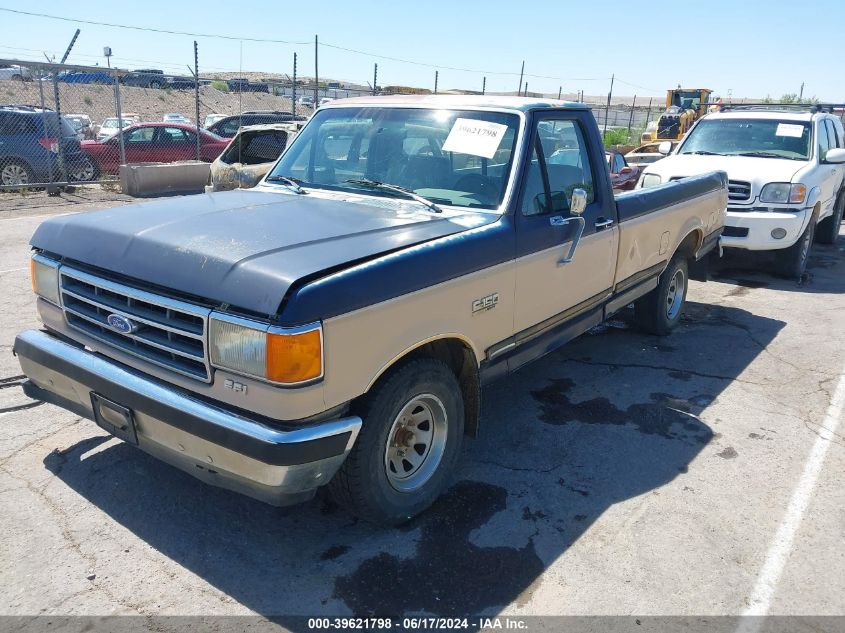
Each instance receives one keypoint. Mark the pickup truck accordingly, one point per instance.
(335, 325)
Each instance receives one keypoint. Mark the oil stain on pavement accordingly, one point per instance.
(449, 575)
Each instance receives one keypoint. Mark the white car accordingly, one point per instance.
(175, 117)
(15, 73)
(785, 170)
(110, 127)
(324, 101)
(211, 119)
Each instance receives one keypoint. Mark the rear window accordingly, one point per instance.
(254, 148)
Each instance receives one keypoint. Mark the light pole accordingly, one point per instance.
(107, 53)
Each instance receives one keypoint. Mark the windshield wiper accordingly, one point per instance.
(760, 154)
(292, 183)
(384, 186)
(704, 152)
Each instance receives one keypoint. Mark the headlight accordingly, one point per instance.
(783, 193)
(44, 273)
(282, 355)
(650, 180)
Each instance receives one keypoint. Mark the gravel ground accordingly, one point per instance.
(625, 474)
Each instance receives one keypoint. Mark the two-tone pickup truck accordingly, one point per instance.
(335, 325)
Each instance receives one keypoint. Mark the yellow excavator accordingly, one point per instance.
(683, 107)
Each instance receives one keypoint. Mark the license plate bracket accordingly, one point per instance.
(114, 418)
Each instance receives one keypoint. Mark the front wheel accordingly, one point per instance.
(84, 171)
(659, 312)
(792, 261)
(408, 444)
(828, 229)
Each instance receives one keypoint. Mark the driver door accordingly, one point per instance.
(549, 292)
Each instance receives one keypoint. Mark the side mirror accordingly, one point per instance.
(835, 156)
(665, 148)
(578, 202)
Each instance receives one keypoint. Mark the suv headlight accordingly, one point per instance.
(44, 273)
(286, 356)
(783, 193)
(650, 180)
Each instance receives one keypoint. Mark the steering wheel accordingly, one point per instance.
(484, 186)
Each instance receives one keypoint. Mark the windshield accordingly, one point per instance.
(766, 138)
(460, 158)
(687, 99)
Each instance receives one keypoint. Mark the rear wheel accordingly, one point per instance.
(155, 84)
(659, 312)
(828, 229)
(16, 172)
(84, 171)
(792, 261)
(408, 444)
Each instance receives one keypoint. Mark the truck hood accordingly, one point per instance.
(244, 248)
(757, 171)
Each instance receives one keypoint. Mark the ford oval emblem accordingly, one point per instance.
(120, 323)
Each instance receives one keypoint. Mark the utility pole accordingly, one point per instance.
(522, 70)
(375, 78)
(525, 92)
(61, 152)
(801, 96)
(484, 85)
(559, 90)
(607, 110)
(316, 74)
(436, 77)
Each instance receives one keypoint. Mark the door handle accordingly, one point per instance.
(603, 224)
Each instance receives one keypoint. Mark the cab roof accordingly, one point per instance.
(522, 104)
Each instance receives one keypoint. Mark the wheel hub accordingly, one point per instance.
(415, 443)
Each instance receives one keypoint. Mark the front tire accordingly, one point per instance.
(408, 445)
(828, 229)
(659, 312)
(792, 261)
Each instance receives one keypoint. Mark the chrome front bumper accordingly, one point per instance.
(221, 447)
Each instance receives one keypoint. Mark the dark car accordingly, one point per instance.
(145, 78)
(29, 147)
(85, 77)
(228, 127)
(154, 143)
(622, 176)
(181, 83)
(241, 84)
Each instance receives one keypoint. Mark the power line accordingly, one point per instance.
(148, 29)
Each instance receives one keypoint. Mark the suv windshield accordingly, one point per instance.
(764, 138)
(460, 158)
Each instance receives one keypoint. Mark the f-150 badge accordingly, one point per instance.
(485, 303)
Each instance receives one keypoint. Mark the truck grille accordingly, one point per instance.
(739, 190)
(167, 332)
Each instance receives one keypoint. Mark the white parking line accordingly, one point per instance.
(12, 270)
(781, 546)
(35, 217)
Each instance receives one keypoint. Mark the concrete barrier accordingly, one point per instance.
(156, 179)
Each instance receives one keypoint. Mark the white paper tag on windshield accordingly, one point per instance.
(790, 129)
(471, 136)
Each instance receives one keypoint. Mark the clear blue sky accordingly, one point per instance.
(750, 47)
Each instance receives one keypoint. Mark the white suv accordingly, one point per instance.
(785, 170)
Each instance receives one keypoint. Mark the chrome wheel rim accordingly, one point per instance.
(675, 295)
(415, 443)
(84, 173)
(14, 174)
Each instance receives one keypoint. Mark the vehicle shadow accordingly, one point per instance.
(614, 415)
(748, 269)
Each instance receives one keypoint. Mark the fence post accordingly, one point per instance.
(484, 86)
(50, 190)
(197, 96)
(60, 149)
(631, 118)
(375, 78)
(607, 109)
(293, 89)
(436, 77)
(648, 112)
(118, 112)
(522, 70)
(559, 90)
(316, 75)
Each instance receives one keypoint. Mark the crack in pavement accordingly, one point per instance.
(664, 368)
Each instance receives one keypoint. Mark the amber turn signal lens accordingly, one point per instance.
(32, 273)
(293, 358)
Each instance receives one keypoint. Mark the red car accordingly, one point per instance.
(154, 143)
(622, 176)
